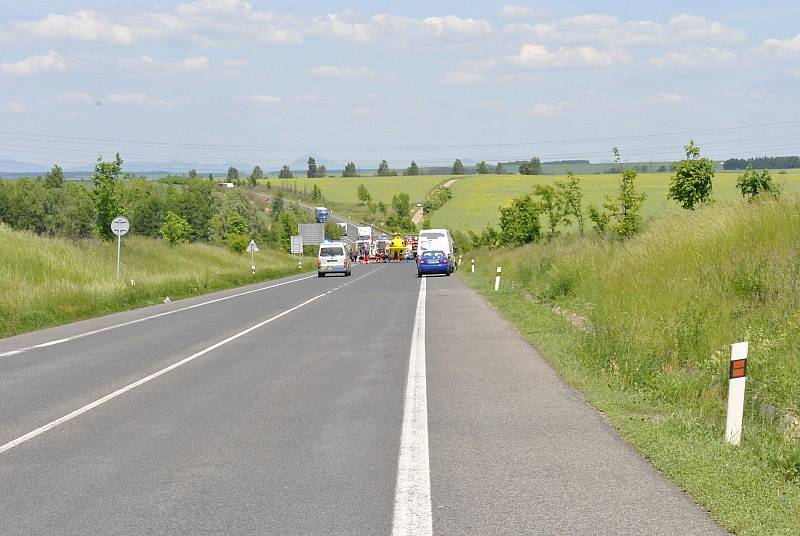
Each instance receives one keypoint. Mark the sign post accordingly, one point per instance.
(252, 248)
(119, 226)
(737, 376)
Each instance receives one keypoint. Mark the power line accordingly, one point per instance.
(400, 147)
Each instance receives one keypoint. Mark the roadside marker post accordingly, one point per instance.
(252, 248)
(119, 226)
(737, 377)
(473, 266)
(459, 260)
(497, 278)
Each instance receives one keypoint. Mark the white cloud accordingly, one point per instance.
(236, 22)
(666, 98)
(265, 99)
(607, 30)
(148, 65)
(14, 107)
(333, 71)
(50, 62)
(784, 47)
(80, 25)
(396, 29)
(461, 78)
(542, 109)
(520, 77)
(76, 97)
(134, 99)
(363, 111)
(306, 97)
(539, 57)
(696, 57)
(516, 11)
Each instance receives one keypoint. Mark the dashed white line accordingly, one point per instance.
(412, 496)
(88, 407)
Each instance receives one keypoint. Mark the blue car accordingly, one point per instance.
(433, 262)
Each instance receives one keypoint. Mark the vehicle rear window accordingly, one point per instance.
(431, 236)
(331, 252)
(432, 254)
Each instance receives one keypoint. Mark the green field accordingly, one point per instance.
(345, 189)
(476, 197)
(46, 281)
(664, 308)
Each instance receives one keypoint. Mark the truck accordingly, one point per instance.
(322, 214)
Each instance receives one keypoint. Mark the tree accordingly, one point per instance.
(312, 168)
(413, 169)
(458, 168)
(691, 185)
(285, 173)
(233, 175)
(256, 175)
(350, 170)
(754, 183)
(401, 204)
(175, 229)
(332, 230)
(519, 221)
(483, 168)
(363, 195)
(277, 205)
(382, 207)
(620, 214)
(54, 178)
(107, 201)
(552, 205)
(322, 171)
(617, 156)
(192, 174)
(533, 167)
(499, 168)
(316, 193)
(383, 169)
(572, 198)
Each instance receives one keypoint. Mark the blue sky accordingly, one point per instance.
(229, 81)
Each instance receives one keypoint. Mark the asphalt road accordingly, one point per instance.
(375, 404)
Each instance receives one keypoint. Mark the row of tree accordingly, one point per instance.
(194, 210)
(542, 214)
(763, 162)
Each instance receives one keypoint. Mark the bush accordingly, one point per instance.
(691, 185)
(519, 221)
(237, 242)
(754, 183)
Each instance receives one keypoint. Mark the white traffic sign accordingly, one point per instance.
(297, 244)
(120, 225)
(251, 247)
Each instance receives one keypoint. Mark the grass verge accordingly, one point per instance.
(46, 282)
(664, 307)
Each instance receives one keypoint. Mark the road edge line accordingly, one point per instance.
(412, 500)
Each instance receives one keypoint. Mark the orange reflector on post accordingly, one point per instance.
(738, 368)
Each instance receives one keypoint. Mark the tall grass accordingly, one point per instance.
(665, 307)
(45, 281)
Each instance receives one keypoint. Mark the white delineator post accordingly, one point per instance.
(473, 266)
(459, 260)
(497, 279)
(737, 376)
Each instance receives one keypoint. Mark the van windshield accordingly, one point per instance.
(331, 252)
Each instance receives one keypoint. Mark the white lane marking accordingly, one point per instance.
(412, 495)
(88, 407)
(151, 317)
(123, 390)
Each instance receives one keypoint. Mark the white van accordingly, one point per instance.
(437, 240)
(333, 259)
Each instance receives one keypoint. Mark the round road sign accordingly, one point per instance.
(120, 225)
